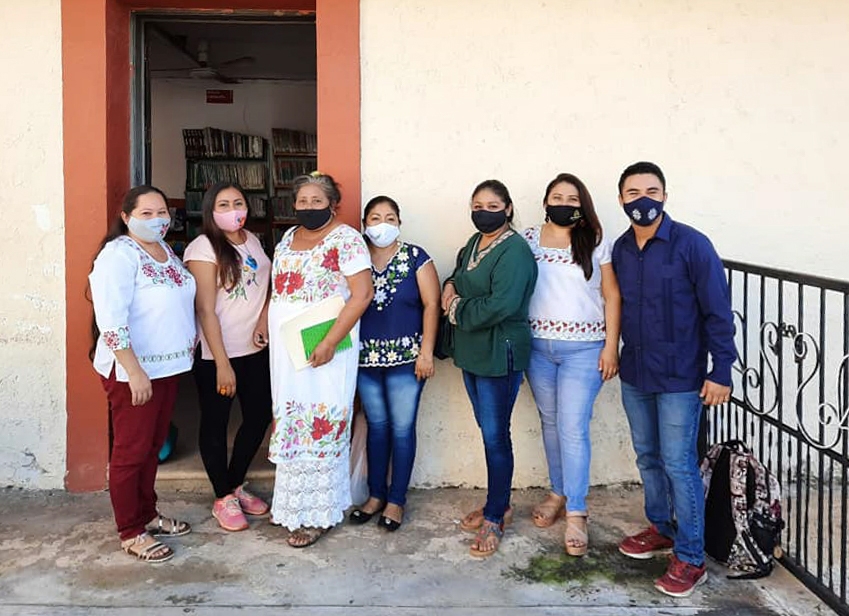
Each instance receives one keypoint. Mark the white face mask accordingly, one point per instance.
(149, 229)
(383, 234)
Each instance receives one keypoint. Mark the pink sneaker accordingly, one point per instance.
(250, 504)
(229, 514)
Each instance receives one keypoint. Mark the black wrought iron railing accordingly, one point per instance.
(790, 403)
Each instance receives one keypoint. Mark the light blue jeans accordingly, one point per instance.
(664, 429)
(565, 380)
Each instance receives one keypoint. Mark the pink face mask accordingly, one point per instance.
(230, 221)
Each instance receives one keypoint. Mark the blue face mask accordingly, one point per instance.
(644, 211)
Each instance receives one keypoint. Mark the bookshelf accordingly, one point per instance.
(293, 153)
(214, 155)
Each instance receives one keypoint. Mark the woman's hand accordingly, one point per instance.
(140, 387)
(424, 366)
(448, 295)
(322, 354)
(608, 362)
(225, 380)
(260, 337)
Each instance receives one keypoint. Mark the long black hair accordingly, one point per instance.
(587, 233)
(117, 228)
(227, 258)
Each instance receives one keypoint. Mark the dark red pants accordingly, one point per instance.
(138, 433)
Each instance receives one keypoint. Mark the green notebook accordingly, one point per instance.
(314, 334)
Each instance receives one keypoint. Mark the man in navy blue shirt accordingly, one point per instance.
(675, 313)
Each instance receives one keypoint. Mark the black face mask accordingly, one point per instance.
(563, 215)
(313, 219)
(487, 222)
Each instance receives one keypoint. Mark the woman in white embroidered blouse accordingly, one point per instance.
(574, 315)
(145, 324)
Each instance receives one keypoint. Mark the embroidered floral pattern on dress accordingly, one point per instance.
(172, 273)
(117, 339)
(477, 258)
(314, 429)
(388, 353)
(551, 329)
(322, 266)
(397, 270)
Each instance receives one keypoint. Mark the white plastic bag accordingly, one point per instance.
(359, 464)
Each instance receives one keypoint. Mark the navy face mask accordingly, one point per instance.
(644, 211)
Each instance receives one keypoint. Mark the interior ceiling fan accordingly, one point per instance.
(202, 68)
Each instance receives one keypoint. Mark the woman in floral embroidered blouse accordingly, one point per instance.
(486, 299)
(574, 316)
(144, 319)
(397, 335)
(310, 441)
(232, 273)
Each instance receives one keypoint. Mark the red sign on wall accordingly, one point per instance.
(219, 97)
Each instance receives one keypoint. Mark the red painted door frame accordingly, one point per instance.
(96, 130)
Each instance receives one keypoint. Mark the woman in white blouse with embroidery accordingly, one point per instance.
(145, 337)
(574, 315)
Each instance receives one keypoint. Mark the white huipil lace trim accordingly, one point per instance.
(312, 492)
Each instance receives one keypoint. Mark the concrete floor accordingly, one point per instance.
(59, 555)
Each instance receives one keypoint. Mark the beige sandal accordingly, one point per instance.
(576, 539)
(474, 520)
(161, 526)
(147, 549)
(549, 511)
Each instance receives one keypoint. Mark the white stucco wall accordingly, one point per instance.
(32, 299)
(742, 104)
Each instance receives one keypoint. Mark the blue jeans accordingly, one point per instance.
(492, 400)
(390, 399)
(565, 380)
(664, 429)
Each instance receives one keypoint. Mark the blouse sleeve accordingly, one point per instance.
(420, 257)
(200, 249)
(351, 253)
(113, 281)
(605, 249)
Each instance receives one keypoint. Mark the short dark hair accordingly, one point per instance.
(640, 168)
(500, 191)
(375, 201)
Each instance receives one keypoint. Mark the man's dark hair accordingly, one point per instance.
(640, 168)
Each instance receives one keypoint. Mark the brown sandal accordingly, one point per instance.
(147, 549)
(549, 511)
(161, 526)
(474, 519)
(487, 540)
(305, 536)
(576, 538)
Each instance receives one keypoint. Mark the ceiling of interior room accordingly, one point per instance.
(268, 50)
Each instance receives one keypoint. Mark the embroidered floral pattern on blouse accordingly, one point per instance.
(309, 427)
(550, 329)
(320, 266)
(476, 259)
(117, 339)
(247, 279)
(390, 352)
(172, 273)
(397, 270)
(544, 254)
(150, 359)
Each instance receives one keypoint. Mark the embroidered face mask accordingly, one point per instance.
(230, 221)
(643, 211)
(383, 234)
(149, 229)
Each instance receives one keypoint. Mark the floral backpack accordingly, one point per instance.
(742, 510)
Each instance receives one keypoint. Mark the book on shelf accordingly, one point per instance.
(288, 141)
(286, 170)
(283, 207)
(249, 175)
(216, 143)
(257, 206)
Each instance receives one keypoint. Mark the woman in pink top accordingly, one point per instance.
(233, 274)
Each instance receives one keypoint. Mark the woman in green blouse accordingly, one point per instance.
(486, 299)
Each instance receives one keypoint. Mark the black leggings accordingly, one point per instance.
(253, 386)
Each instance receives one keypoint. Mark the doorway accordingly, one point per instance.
(101, 141)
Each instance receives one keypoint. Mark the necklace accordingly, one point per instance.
(249, 261)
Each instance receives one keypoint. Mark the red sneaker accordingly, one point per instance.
(681, 579)
(646, 544)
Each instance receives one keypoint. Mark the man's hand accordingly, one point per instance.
(714, 393)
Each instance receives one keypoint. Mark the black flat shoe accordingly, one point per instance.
(358, 516)
(387, 524)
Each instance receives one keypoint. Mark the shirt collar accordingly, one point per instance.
(664, 230)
